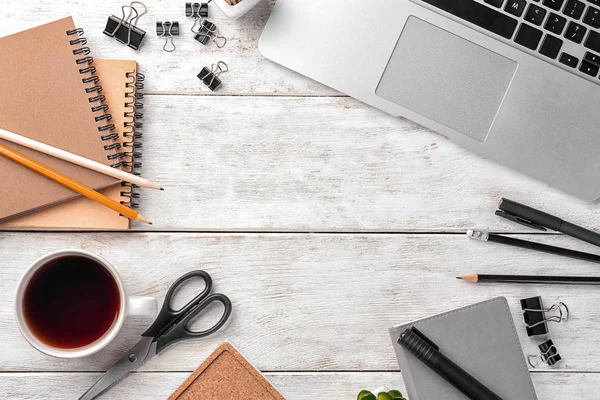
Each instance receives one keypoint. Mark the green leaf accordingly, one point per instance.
(366, 395)
(384, 396)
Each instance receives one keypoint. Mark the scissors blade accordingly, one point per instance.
(133, 359)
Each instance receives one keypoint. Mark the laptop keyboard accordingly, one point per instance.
(566, 31)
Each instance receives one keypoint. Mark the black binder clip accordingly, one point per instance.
(548, 355)
(210, 77)
(124, 29)
(196, 11)
(168, 29)
(209, 31)
(535, 315)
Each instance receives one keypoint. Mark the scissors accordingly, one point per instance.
(169, 327)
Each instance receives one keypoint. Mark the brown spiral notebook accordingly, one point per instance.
(48, 92)
(121, 84)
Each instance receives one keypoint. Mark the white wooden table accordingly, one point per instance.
(324, 220)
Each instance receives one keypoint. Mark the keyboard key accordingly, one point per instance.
(593, 41)
(569, 60)
(495, 3)
(592, 58)
(515, 7)
(589, 69)
(575, 32)
(528, 36)
(478, 14)
(592, 17)
(596, 2)
(555, 23)
(574, 9)
(535, 14)
(551, 46)
(553, 4)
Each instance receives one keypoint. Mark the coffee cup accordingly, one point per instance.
(72, 304)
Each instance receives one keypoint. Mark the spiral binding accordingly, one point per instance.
(94, 91)
(130, 154)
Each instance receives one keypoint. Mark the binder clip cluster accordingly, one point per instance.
(536, 322)
(124, 29)
(168, 29)
(210, 77)
(535, 316)
(548, 355)
(204, 30)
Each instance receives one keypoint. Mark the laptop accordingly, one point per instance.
(513, 80)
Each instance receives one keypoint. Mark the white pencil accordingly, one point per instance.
(78, 160)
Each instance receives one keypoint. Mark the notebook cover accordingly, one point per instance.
(116, 78)
(42, 97)
(226, 375)
(481, 339)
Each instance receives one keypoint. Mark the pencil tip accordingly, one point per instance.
(470, 278)
(140, 217)
(458, 277)
(163, 189)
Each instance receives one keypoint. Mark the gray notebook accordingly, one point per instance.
(481, 339)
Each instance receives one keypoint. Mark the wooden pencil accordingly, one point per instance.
(71, 184)
(545, 280)
(77, 160)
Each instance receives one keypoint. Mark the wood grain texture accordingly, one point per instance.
(326, 299)
(329, 164)
(275, 151)
(294, 386)
(245, 162)
(321, 164)
(173, 72)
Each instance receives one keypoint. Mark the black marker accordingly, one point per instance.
(428, 353)
(536, 219)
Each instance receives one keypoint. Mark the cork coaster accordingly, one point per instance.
(226, 375)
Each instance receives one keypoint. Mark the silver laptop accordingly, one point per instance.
(514, 80)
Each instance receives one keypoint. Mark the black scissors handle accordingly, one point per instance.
(172, 325)
(181, 331)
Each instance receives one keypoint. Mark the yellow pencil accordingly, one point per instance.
(71, 184)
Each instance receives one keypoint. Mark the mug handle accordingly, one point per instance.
(142, 306)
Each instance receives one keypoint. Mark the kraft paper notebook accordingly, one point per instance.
(120, 82)
(48, 92)
(482, 340)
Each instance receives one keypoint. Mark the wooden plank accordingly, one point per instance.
(173, 72)
(294, 386)
(328, 300)
(322, 164)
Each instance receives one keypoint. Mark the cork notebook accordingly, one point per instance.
(120, 82)
(48, 92)
(226, 375)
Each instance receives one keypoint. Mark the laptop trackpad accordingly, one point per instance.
(446, 78)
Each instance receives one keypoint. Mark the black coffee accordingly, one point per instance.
(71, 302)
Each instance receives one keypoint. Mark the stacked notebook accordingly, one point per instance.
(52, 91)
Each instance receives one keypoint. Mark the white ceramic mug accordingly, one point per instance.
(139, 306)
